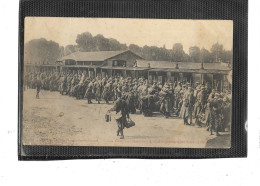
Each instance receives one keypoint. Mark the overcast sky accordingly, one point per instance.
(151, 32)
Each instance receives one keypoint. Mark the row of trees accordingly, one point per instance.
(44, 51)
(41, 51)
(177, 54)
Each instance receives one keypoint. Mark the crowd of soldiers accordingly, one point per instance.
(198, 102)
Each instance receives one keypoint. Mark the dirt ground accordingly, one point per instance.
(62, 120)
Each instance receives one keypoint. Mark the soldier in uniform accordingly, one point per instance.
(226, 112)
(187, 107)
(131, 102)
(52, 79)
(72, 85)
(125, 87)
(177, 97)
(114, 90)
(208, 110)
(98, 91)
(135, 92)
(171, 92)
(165, 101)
(88, 93)
(144, 100)
(139, 95)
(38, 85)
(121, 109)
(197, 89)
(181, 107)
(214, 116)
(106, 92)
(208, 88)
(212, 93)
(63, 84)
(26, 81)
(69, 80)
(199, 105)
(119, 90)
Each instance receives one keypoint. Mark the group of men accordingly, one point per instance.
(198, 102)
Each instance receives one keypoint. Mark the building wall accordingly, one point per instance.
(69, 62)
(129, 57)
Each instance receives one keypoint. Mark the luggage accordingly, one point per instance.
(147, 113)
(107, 117)
(113, 115)
(129, 123)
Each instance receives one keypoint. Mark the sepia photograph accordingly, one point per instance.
(125, 82)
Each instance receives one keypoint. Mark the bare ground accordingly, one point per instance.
(62, 120)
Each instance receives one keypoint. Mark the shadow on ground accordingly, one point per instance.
(222, 141)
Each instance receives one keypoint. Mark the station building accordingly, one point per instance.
(126, 63)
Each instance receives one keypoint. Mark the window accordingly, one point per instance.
(87, 63)
(97, 63)
(70, 62)
(80, 62)
(115, 63)
(119, 63)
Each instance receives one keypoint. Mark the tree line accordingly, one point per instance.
(42, 51)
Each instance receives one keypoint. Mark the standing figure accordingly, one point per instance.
(187, 107)
(131, 102)
(106, 92)
(122, 112)
(63, 84)
(214, 116)
(26, 81)
(38, 85)
(114, 90)
(98, 91)
(226, 113)
(208, 110)
(199, 105)
(165, 101)
(180, 107)
(144, 101)
(72, 84)
(88, 93)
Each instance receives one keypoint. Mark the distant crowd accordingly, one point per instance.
(196, 104)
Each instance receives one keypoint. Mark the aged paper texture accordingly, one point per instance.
(127, 82)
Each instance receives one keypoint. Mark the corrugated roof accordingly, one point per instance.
(92, 56)
(81, 66)
(123, 68)
(198, 71)
(114, 68)
(182, 65)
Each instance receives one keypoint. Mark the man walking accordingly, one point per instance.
(122, 112)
